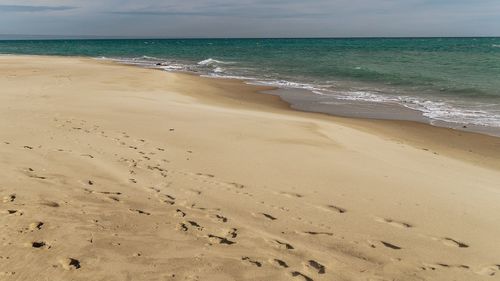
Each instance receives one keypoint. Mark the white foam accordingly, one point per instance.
(287, 84)
(433, 109)
(147, 58)
(172, 67)
(364, 96)
(211, 62)
(219, 70)
(445, 111)
(220, 76)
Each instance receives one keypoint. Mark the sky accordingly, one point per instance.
(250, 18)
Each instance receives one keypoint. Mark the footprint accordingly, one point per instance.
(140, 212)
(180, 213)
(110, 193)
(221, 218)
(205, 175)
(30, 173)
(394, 222)
(390, 246)
(39, 245)
(336, 209)
(158, 168)
(195, 225)
(236, 185)
(318, 233)
(35, 226)
(155, 189)
(284, 245)
(428, 267)
(281, 263)
(194, 191)
(435, 266)
(70, 263)
(233, 233)
(194, 206)
(170, 202)
(14, 212)
(269, 216)
(220, 240)
(291, 194)
(182, 227)
(9, 198)
(298, 274)
(461, 266)
(454, 243)
(51, 204)
(489, 270)
(318, 267)
(251, 261)
(169, 196)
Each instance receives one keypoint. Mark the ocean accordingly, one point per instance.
(453, 82)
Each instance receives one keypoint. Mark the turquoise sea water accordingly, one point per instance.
(455, 80)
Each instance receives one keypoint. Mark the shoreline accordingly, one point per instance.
(372, 111)
(115, 172)
(315, 100)
(478, 147)
(356, 109)
(306, 100)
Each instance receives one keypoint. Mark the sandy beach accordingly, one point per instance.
(114, 172)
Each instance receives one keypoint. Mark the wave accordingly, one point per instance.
(360, 96)
(218, 70)
(211, 62)
(446, 112)
(172, 67)
(495, 46)
(147, 58)
(225, 76)
(433, 109)
(287, 84)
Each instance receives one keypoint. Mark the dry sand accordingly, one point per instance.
(111, 172)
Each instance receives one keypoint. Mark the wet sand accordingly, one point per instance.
(113, 172)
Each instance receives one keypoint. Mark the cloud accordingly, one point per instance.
(221, 14)
(30, 9)
(251, 18)
(243, 9)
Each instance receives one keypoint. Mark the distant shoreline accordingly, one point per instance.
(91, 37)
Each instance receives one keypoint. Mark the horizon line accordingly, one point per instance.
(98, 37)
